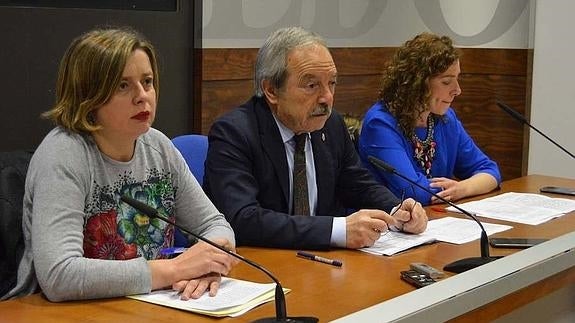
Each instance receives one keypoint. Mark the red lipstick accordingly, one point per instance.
(142, 116)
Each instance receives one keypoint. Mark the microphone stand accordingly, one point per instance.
(461, 265)
(522, 119)
(281, 312)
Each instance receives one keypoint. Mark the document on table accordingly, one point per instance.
(459, 231)
(527, 208)
(448, 229)
(392, 242)
(234, 298)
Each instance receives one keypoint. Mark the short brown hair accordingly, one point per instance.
(90, 72)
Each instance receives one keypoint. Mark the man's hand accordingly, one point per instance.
(364, 227)
(411, 216)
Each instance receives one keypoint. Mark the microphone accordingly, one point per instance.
(461, 265)
(281, 313)
(522, 119)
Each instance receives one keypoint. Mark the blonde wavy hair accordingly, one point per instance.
(90, 72)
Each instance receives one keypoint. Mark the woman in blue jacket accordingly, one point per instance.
(413, 128)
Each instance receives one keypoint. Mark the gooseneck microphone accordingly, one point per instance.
(522, 119)
(458, 266)
(281, 313)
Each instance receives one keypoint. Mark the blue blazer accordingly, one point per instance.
(246, 177)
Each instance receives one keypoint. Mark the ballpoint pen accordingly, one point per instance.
(172, 251)
(310, 256)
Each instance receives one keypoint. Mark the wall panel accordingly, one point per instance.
(487, 75)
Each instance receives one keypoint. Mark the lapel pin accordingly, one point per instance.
(322, 136)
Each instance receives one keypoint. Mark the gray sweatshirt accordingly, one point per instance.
(81, 241)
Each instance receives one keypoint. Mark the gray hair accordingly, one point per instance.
(271, 62)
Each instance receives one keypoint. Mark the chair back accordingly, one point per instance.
(13, 168)
(194, 148)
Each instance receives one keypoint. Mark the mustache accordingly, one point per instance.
(321, 110)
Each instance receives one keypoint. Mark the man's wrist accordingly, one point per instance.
(338, 232)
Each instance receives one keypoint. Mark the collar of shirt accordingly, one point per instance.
(286, 133)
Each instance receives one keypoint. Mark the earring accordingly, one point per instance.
(91, 118)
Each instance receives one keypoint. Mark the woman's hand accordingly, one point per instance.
(453, 190)
(200, 260)
(195, 288)
(450, 189)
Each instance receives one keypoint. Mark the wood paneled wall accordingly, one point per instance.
(487, 75)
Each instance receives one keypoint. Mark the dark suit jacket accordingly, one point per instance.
(247, 178)
(13, 168)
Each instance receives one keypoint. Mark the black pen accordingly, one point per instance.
(310, 256)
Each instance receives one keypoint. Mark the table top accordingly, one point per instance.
(317, 289)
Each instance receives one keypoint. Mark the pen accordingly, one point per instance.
(172, 251)
(310, 256)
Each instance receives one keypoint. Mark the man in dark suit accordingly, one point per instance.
(250, 163)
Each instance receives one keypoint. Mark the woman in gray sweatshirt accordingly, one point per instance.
(81, 241)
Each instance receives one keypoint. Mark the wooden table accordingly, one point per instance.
(318, 289)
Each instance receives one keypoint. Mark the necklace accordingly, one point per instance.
(424, 150)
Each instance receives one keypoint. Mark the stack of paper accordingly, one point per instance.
(458, 231)
(527, 208)
(391, 242)
(234, 298)
(448, 229)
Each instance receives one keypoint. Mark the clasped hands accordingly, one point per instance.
(364, 227)
(200, 269)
